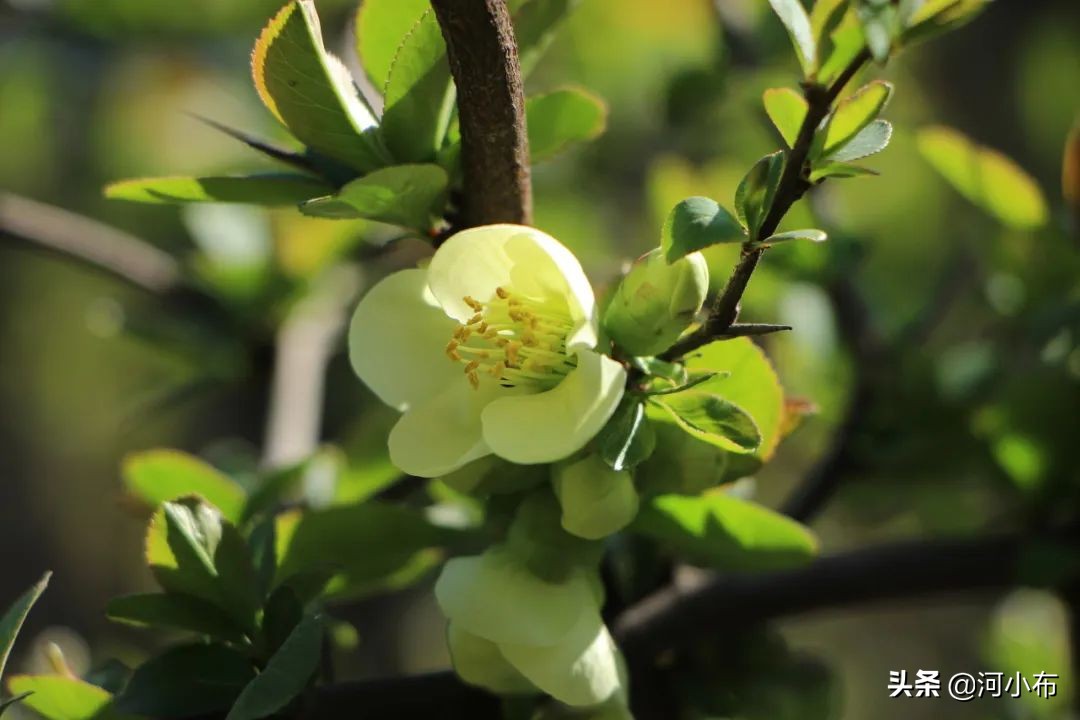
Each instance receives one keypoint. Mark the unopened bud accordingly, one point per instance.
(656, 302)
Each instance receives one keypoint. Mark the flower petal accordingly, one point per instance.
(582, 669)
(397, 340)
(439, 434)
(496, 597)
(476, 261)
(478, 662)
(552, 425)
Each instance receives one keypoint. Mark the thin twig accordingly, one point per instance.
(94, 243)
(792, 185)
(483, 58)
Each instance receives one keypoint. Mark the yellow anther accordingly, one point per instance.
(472, 302)
(472, 366)
(451, 350)
(474, 379)
(477, 318)
(512, 353)
(502, 292)
(498, 369)
(482, 328)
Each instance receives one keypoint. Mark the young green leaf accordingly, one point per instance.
(824, 16)
(13, 619)
(880, 24)
(723, 532)
(839, 170)
(267, 189)
(855, 112)
(174, 611)
(311, 92)
(407, 195)
(381, 28)
(797, 23)
(186, 681)
(755, 193)
(938, 16)
(984, 176)
(58, 697)
(157, 476)
(871, 139)
(285, 675)
(191, 549)
(695, 224)
(787, 109)
(419, 94)
(628, 439)
(561, 118)
(847, 43)
(748, 380)
(712, 419)
(810, 234)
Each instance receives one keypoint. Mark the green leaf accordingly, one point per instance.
(561, 118)
(811, 234)
(938, 16)
(285, 676)
(839, 170)
(797, 22)
(787, 110)
(755, 193)
(311, 92)
(880, 24)
(628, 439)
(726, 533)
(58, 697)
(847, 43)
(871, 139)
(749, 381)
(695, 224)
(712, 419)
(419, 94)
(267, 189)
(13, 619)
(984, 176)
(191, 549)
(381, 28)
(823, 18)
(186, 681)
(174, 611)
(856, 112)
(372, 546)
(535, 26)
(157, 476)
(12, 701)
(407, 195)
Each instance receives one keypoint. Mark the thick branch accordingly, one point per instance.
(792, 185)
(672, 618)
(491, 106)
(100, 246)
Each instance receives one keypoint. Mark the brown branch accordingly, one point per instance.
(113, 251)
(671, 618)
(491, 106)
(791, 186)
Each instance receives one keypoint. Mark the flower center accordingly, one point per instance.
(518, 340)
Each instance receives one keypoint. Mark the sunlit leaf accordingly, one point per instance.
(285, 675)
(938, 16)
(847, 43)
(823, 18)
(984, 176)
(628, 439)
(839, 170)
(871, 139)
(268, 189)
(186, 681)
(712, 419)
(311, 92)
(723, 532)
(811, 234)
(880, 24)
(855, 112)
(381, 27)
(419, 94)
(695, 224)
(408, 195)
(157, 476)
(797, 23)
(561, 118)
(174, 611)
(58, 697)
(787, 109)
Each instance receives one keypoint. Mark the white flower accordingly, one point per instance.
(491, 349)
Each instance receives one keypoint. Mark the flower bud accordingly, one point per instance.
(596, 501)
(656, 302)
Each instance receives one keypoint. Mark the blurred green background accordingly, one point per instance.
(975, 408)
